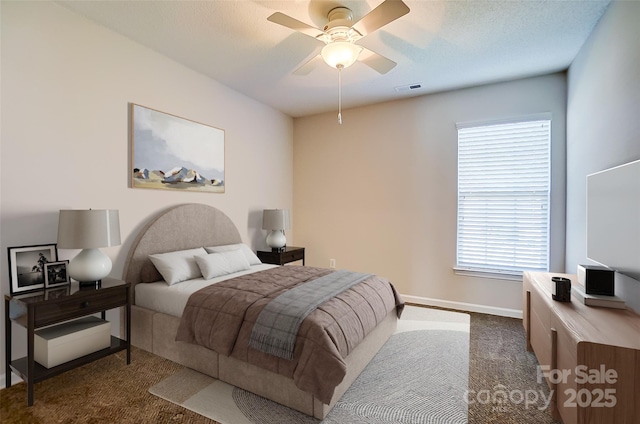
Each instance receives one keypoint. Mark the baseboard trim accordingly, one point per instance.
(462, 306)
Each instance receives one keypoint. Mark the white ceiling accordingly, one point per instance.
(441, 45)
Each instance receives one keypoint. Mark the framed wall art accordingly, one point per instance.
(27, 266)
(169, 152)
(55, 274)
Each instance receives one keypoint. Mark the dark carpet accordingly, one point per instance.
(501, 375)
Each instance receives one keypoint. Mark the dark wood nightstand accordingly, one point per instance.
(51, 306)
(288, 254)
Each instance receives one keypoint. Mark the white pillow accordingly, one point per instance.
(248, 253)
(178, 266)
(218, 264)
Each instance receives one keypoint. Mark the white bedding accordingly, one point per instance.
(171, 300)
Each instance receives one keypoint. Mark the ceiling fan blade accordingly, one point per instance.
(386, 12)
(375, 61)
(294, 24)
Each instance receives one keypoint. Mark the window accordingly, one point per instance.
(503, 197)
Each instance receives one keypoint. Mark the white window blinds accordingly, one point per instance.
(503, 197)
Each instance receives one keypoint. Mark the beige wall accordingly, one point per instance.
(66, 85)
(378, 194)
(603, 129)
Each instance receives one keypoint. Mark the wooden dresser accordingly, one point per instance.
(592, 354)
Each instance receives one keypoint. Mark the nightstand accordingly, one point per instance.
(51, 306)
(288, 254)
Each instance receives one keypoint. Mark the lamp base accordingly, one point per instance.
(90, 284)
(276, 239)
(89, 267)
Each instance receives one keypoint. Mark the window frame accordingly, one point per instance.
(497, 272)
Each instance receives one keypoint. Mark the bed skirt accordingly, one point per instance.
(155, 332)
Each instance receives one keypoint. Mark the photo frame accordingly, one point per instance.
(174, 153)
(26, 266)
(56, 274)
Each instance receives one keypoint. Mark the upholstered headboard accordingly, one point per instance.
(180, 227)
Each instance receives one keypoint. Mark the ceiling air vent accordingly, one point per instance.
(409, 87)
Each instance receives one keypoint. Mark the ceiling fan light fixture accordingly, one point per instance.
(340, 53)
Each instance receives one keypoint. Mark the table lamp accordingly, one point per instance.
(276, 220)
(89, 230)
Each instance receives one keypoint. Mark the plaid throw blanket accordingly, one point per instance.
(276, 328)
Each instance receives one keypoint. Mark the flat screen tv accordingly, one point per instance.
(613, 218)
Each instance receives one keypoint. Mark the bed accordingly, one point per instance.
(155, 322)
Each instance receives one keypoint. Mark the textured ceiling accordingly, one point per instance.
(441, 45)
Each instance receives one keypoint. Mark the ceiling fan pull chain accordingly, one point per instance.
(340, 94)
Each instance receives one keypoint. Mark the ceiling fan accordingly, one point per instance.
(341, 33)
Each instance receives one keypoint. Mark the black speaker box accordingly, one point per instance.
(596, 279)
(561, 289)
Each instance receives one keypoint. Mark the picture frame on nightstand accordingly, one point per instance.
(26, 266)
(55, 274)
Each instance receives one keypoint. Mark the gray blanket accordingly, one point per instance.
(276, 328)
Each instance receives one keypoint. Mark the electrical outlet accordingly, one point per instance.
(332, 263)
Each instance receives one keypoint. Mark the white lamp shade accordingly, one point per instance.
(88, 229)
(340, 53)
(276, 219)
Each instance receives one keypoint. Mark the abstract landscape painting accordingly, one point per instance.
(174, 153)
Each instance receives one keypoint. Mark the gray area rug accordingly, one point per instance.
(419, 376)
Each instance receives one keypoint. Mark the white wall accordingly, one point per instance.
(66, 86)
(603, 129)
(378, 193)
